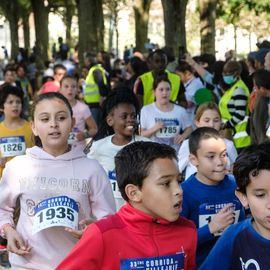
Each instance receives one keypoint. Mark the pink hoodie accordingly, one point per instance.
(37, 176)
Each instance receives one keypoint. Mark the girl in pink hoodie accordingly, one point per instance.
(57, 187)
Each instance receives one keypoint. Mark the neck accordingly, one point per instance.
(13, 123)
(72, 102)
(118, 139)
(165, 107)
(57, 151)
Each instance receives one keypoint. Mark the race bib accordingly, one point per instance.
(115, 188)
(171, 128)
(12, 146)
(174, 262)
(208, 210)
(56, 211)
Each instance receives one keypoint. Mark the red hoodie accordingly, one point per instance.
(133, 240)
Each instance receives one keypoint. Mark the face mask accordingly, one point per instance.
(229, 79)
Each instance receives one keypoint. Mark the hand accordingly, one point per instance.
(188, 59)
(159, 125)
(222, 219)
(3, 161)
(15, 242)
(82, 227)
(178, 139)
(80, 136)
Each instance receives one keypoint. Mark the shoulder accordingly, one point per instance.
(148, 107)
(101, 142)
(109, 223)
(141, 138)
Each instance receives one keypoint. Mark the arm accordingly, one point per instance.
(198, 68)
(183, 156)
(101, 197)
(239, 101)
(91, 129)
(103, 88)
(138, 91)
(181, 137)
(151, 131)
(87, 253)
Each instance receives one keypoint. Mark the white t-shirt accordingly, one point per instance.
(191, 88)
(104, 152)
(185, 165)
(175, 122)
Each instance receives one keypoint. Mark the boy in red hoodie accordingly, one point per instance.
(147, 232)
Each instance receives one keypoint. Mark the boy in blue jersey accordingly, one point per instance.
(246, 245)
(209, 195)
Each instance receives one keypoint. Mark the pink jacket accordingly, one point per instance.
(37, 176)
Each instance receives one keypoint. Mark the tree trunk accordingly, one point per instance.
(235, 39)
(10, 10)
(141, 10)
(174, 21)
(207, 25)
(41, 15)
(68, 21)
(13, 24)
(26, 31)
(91, 26)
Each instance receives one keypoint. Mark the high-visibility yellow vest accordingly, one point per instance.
(91, 91)
(240, 137)
(147, 80)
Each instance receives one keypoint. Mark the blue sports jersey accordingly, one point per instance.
(239, 248)
(201, 202)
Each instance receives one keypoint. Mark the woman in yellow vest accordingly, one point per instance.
(233, 105)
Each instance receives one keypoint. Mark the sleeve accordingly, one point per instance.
(101, 198)
(9, 194)
(143, 118)
(86, 113)
(239, 99)
(208, 77)
(189, 212)
(183, 156)
(231, 150)
(221, 251)
(185, 119)
(87, 253)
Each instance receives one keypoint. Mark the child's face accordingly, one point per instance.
(9, 77)
(59, 74)
(69, 89)
(123, 120)
(209, 118)
(210, 161)
(257, 197)
(160, 195)
(12, 106)
(162, 93)
(52, 123)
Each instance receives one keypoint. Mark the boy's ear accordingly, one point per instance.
(193, 159)
(242, 198)
(133, 193)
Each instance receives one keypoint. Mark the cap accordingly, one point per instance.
(203, 95)
(260, 54)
